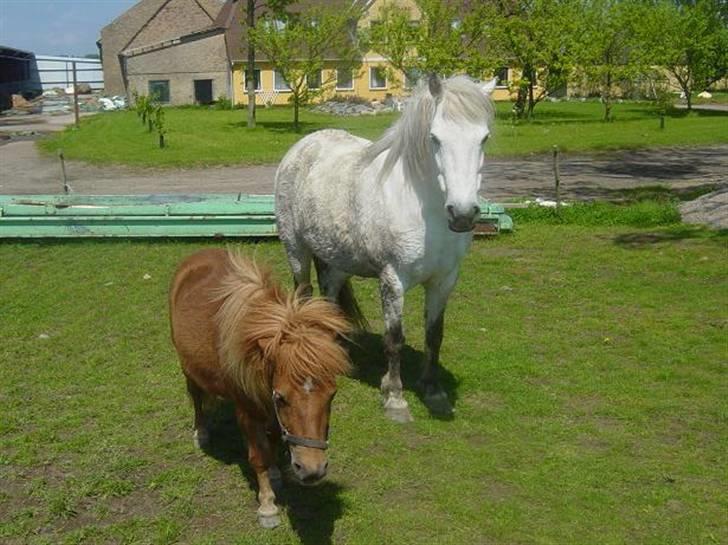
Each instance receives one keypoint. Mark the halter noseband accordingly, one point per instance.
(288, 437)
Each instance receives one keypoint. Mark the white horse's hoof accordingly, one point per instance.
(438, 403)
(401, 416)
(201, 438)
(396, 409)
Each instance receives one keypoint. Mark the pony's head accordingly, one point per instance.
(440, 136)
(296, 342)
(459, 129)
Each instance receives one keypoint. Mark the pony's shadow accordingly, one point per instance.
(311, 511)
(367, 353)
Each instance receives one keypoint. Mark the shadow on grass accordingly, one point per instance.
(311, 512)
(367, 354)
(642, 240)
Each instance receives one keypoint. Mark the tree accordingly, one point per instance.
(690, 40)
(535, 37)
(438, 37)
(606, 52)
(297, 43)
(250, 11)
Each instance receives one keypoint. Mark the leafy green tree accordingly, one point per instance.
(251, 11)
(689, 39)
(606, 52)
(537, 38)
(439, 37)
(297, 43)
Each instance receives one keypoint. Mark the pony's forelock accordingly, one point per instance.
(462, 100)
(264, 330)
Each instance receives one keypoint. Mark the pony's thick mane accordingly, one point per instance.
(409, 139)
(264, 330)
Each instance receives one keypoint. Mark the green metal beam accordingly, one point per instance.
(197, 215)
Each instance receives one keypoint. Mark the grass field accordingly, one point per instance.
(212, 137)
(587, 367)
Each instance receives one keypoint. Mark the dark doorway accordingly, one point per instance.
(203, 91)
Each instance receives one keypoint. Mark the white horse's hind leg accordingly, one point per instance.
(392, 292)
(299, 259)
(436, 295)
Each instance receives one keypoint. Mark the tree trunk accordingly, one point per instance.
(295, 114)
(250, 68)
(607, 98)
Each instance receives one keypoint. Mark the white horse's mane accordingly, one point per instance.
(462, 100)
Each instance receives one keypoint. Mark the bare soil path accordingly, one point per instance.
(23, 170)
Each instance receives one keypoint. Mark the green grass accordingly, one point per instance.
(587, 366)
(200, 136)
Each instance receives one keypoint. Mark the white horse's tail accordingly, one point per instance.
(345, 299)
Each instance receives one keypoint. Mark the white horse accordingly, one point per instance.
(401, 209)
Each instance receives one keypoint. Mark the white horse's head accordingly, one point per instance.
(458, 131)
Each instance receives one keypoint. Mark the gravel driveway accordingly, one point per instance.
(23, 170)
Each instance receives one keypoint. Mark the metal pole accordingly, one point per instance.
(66, 187)
(75, 95)
(557, 181)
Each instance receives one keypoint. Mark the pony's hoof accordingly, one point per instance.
(269, 521)
(438, 403)
(201, 438)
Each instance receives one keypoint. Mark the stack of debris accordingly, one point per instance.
(358, 107)
(59, 101)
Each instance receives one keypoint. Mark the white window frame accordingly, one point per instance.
(258, 87)
(285, 89)
(320, 82)
(386, 79)
(338, 87)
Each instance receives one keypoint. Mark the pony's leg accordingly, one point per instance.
(436, 295)
(201, 435)
(392, 292)
(261, 458)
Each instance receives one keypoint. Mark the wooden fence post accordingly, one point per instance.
(557, 181)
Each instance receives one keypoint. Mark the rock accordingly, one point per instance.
(705, 94)
(710, 209)
(20, 102)
(83, 89)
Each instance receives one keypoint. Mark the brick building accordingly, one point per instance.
(171, 48)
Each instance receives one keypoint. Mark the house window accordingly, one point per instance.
(501, 76)
(344, 79)
(377, 77)
(411, 77)
(280, 82)
(160, 90)
(313, 81)
(256, 79)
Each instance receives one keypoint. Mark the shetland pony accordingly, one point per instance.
(401, 209)
(241, 337)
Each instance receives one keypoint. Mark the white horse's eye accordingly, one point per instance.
(435, 139)
(485, 139)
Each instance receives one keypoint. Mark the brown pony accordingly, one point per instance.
(241, 337)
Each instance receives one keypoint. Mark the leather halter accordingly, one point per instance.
(298, 440)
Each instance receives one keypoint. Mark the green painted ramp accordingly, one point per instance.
(198, 215)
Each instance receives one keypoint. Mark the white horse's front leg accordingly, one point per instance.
(392, 292)
(436, 295)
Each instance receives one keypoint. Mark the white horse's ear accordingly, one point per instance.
(435, 85)
(489, 86)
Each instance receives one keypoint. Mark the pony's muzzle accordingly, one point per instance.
(309, 474)
(462, 219)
